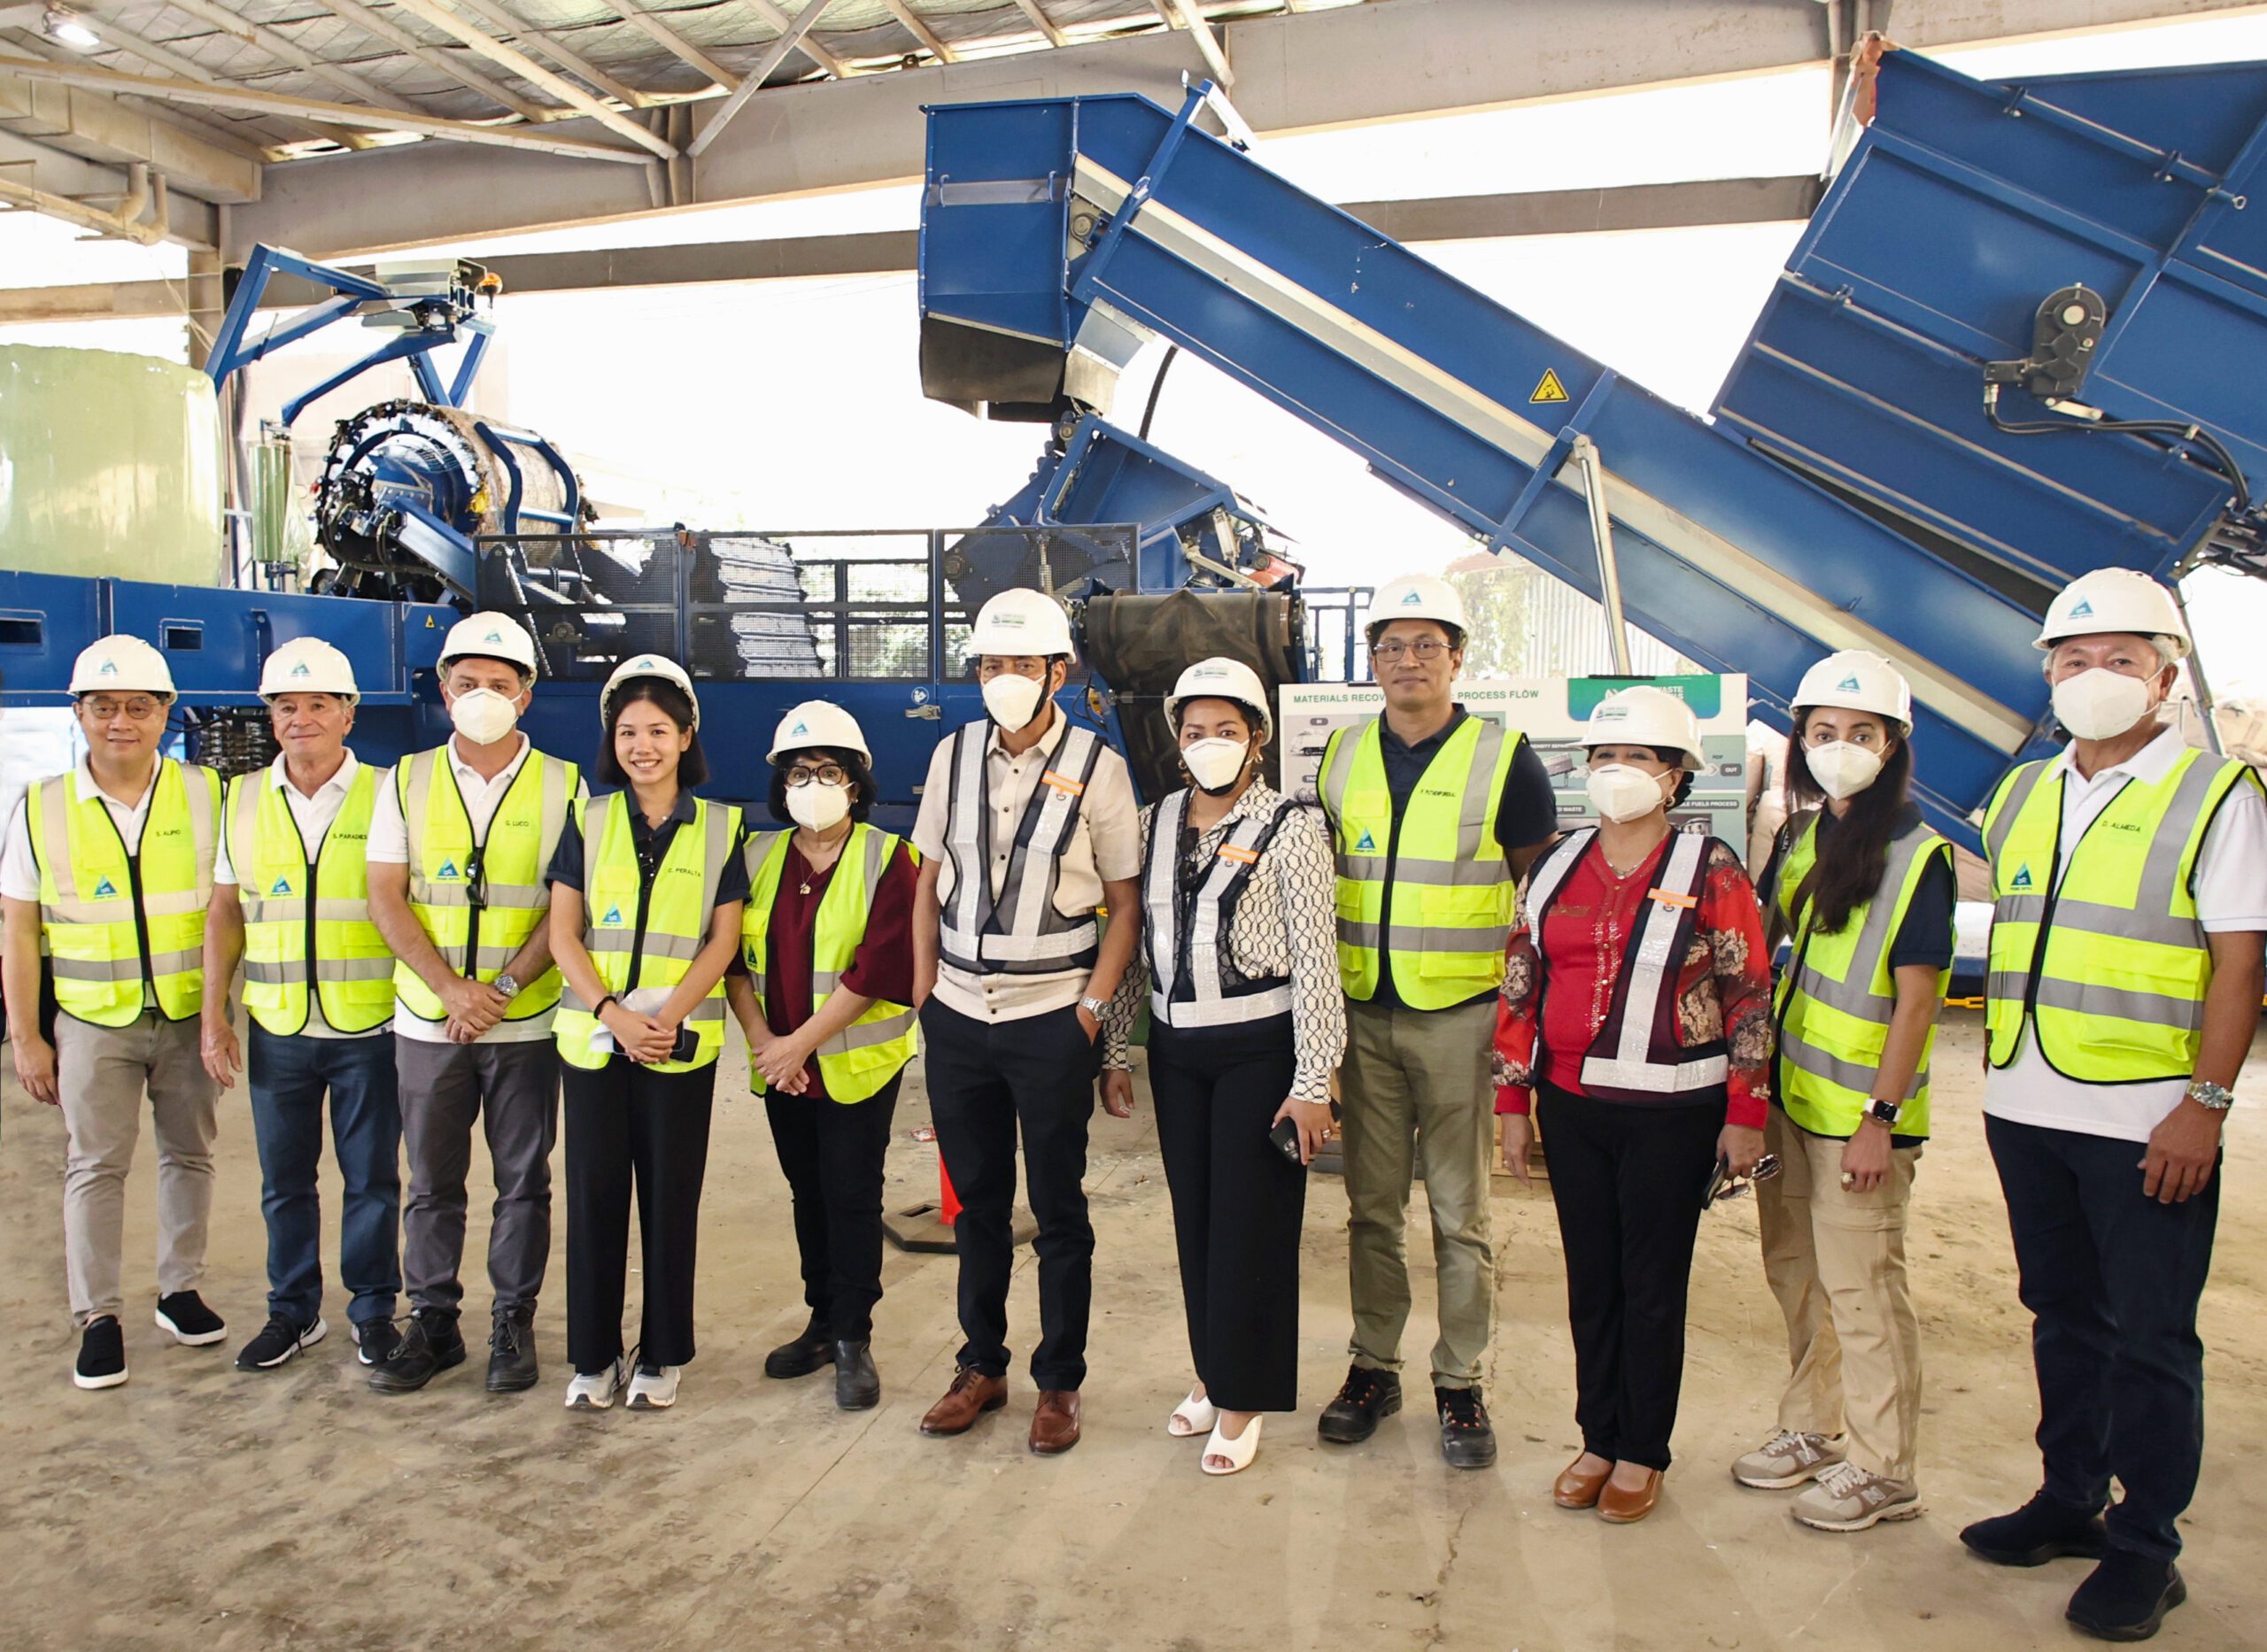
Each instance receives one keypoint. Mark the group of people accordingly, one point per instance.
(1426, 963)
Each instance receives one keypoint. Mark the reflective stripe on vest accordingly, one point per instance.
(293, 910)
(1433, 887)
(115, 921)
(641, 936)
(2103, 957)
(1193, 982)
(861, 1059)
(1834, 1003)
(1636, 1055)
(1023, 933)
(503, 868)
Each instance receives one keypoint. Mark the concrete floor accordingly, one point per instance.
(201, 1507)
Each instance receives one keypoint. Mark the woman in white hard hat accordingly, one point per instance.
(1863, 891)
(645, 894)
(826, 998)
(1239, 964)
(1635, 1017)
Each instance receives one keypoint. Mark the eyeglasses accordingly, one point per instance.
(824, 774)
(142, 707)
(1427, 649)
(1728, 1185)
(476, 881)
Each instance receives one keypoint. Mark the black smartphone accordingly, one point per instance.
(1285, 1135)
(687, 1044)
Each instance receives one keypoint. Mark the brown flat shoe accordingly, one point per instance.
(971, 1396)
(1579, 1491)
(1055, 1425)
(1621, 1508)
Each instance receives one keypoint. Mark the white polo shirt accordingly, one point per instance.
(2230, 895)
(19, 867)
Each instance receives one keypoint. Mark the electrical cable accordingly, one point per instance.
(2193, 435)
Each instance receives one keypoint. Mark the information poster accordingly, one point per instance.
(1552, 712)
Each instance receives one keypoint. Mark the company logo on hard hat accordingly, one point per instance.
(1847, 685)
(2085, 609)
(494, 636)
(300, 669)
(801, 727)
(1008, 619)
(1413, 598)
(109, 668)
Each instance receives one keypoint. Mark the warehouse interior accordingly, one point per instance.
(775, 336)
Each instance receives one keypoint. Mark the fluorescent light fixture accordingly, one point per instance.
(70, 30)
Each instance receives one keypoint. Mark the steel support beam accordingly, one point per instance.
(534, 73)
(60, 128)
(380, 27)
(655, 24)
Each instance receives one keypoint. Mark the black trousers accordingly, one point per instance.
(1627, 1180)
(2112, 1280)
(832, 1153)
(628, 1124)
(1237, 1204)
(987, 1082)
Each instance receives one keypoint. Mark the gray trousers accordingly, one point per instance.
(102, 1074)
(512, 1090)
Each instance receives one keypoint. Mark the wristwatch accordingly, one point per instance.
(2218, 1098)
(1885, 1113)
(1094, 1005)
(507, 986)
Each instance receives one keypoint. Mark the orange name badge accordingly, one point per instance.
(1242, 857)
(1061, 783)
(1668, 899)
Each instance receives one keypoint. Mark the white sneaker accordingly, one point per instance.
(595, 1392)
(1848, 1498)
(1786, 1459)
(653, 1388)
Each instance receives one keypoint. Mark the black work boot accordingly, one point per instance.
(1368, 1397)
(430, 1345)
(857, 1385)
(511, 1352)
(2127, 1596)
(1467, 1438)
(2040, 1530)
(812, 1348)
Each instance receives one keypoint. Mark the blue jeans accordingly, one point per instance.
(2112, 1280)
(287, 1078)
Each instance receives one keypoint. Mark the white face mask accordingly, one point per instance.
(1013, 700)
(1843, 770)
(484, 716)
(2101, 704)
(818, 807)
(1622, 793)
(1214, 764)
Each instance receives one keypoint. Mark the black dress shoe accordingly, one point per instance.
(808, 1353)
(1368, 1397)
(2127, 1596)
(857, 1385)
(511, 1352)
(2040, 1530)
(1467, 1438)
(431, 1345)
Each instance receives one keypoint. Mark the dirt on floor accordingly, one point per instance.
(202, 1507)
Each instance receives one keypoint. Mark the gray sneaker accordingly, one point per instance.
(1786, 1459)
(1848, 1499)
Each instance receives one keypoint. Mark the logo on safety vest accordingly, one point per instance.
(613, 919)
(1366, 846)
(2022, 880)
(1847, 685)
(448, 873)
(2085, 609)
(282, 886)
(105, 891)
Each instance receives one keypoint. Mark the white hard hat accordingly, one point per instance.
(1021, 622)
(1220, 678)
(817, 722)
(1417, 597)
(123, 664)
(645, 665)
(308, 665)
(490, 636)
(2115, 599)
(1857, 679)
(1645, 715)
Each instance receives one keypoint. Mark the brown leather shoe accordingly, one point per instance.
(971, 1396)
(1055, 1425)
(1579, 1491)
(1622, 1507)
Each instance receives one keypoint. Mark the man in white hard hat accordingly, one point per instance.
(458, 847)
(2130, 909)
(1436, 812)
(1028, 825)
(289, 898)
(111, 863)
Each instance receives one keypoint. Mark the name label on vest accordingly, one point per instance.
(1063, 783)
(1670, 897)
(1242, 857)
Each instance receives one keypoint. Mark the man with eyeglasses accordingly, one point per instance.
(1435, 814)
(111, 864)
(457, 850)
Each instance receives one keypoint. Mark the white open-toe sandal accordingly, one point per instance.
(1191, 1417)
(1238, 1452)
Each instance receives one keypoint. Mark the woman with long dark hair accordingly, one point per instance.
(1863, 893)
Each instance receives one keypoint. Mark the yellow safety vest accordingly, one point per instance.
(643, 938)
(114, 920)
(2104, 957)
(1834, 1002)
(859, 1060)
(1434, 887)
(479, 902)
(296, 910)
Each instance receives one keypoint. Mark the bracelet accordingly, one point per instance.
(600, 1010)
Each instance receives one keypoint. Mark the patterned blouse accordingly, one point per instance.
(1286, 923)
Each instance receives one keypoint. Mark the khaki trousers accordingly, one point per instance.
(102, 1074)
(1835, 1261)
(1416, 1088)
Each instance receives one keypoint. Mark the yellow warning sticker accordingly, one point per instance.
(1550, 390)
